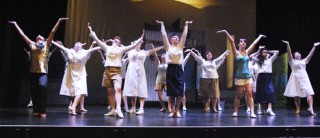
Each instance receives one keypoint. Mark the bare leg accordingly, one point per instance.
(111, 102)
(171, 101)
(246, 98)
(161, 101)
(177, 105)
(206, 104)
(250, 99)
(218, 104)
(134, 104)
(214, 104)
(75, 103)
(82, 109)
(239, 90)
(297, 103)
(125, 102)
(310, 103)
(141, 109)
(184, 104)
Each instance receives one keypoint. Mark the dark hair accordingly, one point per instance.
(205, 55)
(260, 57)
(117, 37)
(174, 34)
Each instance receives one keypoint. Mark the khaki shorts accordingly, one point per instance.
(242, 82)
(112, 77)
(160, 87)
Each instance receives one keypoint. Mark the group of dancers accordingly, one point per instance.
(253, 73)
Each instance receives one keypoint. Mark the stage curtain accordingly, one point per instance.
(80, 12)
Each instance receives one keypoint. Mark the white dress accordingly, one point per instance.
(74, 80)
(136, 82)
(299, 83)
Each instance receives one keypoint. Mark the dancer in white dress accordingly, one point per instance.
(136, 82)
(299, 85)
(74, 81)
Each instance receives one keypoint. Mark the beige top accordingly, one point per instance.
(39, 58)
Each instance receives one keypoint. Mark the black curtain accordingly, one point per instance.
(297, 21)
(34, 17)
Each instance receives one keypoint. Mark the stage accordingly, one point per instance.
(18, 122)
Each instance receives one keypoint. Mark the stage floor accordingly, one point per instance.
(285, 123)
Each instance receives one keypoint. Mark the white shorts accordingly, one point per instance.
(242, 82)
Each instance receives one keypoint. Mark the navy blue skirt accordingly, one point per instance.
(174, 80)
(265, 90)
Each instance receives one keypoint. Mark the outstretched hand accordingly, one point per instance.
(63, 19)
(222, 31)
(189, 22)
(89, 27)
(187, 50)
(12, 22)
(159, 22)
(316, 44)
(262, 36)
(143, 32)
(286, 42)
(227, 52)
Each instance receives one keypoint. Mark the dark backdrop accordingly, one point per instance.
(34, 17)
(297, 21)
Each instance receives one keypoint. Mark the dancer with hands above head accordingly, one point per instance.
(243, 75)
(112, 71)
(135, 85)
(74, 82)
(264, 86)
(174, 74)
(299, 85)
(39, 51)
(209, 81)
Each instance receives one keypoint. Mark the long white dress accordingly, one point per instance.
(74, 80)
(299, 83)
(136, 82)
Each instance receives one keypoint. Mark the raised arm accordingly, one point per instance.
(274, 53)
(185, 60)
(315, 45)
(156, 59)
(95, 38)
(136, 43)
(233, 45)
(251, 47)
(184, 35)
(28, 53)
(50, 53)
(92, 48)
(164, 35)
(59, 44)
(65, 57)
(218, 61)
(196, 56)
(25, 38)
(254, 56)
(288, 49)
(102, 57)
(154, 50)
(53, 31)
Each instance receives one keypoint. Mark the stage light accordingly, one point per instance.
(199, 4)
